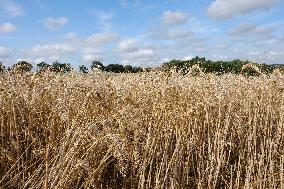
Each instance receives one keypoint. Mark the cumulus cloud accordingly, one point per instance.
(281, 39)
(221, 46)
(188, 57)
(141, 54)
(126, 46)
(39, 60)
(7, 27)
(70, 37)
(200, 49)
(225, 9)
(5, 52)
(90, 54)
(102, 38)
(251, 29)
(53, 50)
(103, 19)
(10, 8)
(172, 34)
(91, 51)
(170, 18)
(219, 57)
(91, 57)
(53, 24)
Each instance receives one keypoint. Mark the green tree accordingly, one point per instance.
(116, 68)
(128, 69)
(61, 67)
(83, 69)
(2, 67)
(137, 69)
(43, 66)
(22, 66)
(96, 64)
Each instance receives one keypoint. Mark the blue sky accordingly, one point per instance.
(140, 32)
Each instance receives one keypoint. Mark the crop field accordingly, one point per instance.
(141, 130)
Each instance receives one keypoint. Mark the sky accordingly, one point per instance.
(140, 32)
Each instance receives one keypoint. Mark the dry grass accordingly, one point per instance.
(142, 130)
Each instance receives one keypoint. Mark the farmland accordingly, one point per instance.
(143, 130)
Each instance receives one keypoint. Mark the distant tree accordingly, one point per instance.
(221, 67)
(61, 67)
(128, 69)
(2, 67)
(96, 64)
(83, 69)
(22, 66)
(116, 68)
(43, 66)
(137, 69)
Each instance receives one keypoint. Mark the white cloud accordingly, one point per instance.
(102, 38)
(54, 58)
(172, 34)
(90, 54)
(103, 19)
(163, 60)
(91, 51)
(125, 62)
(10, 8)
(236, 50)
(219, 57)
(225, 9)
(141, 54)
(5, 52)
(138, 57)
(200, 49)
(170, 18)
(253, 53)
(126, 46)
(39, 60)
(53, 50)
(188, 57)
(53, 24)
(71, 37)
(7, 27)
(90, 57)
(221, 46)
(251, 29)
(281, 39)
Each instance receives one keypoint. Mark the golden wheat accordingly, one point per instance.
(146, 130)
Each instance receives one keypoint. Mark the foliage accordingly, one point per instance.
(42, 66)
(97, 65)
(22, 66)
(61, 67)
(219, 67)
(83, 69)
(2, 67)
(206, 66)
(116, 68)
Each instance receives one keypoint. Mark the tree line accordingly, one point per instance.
(183, 66)
(221, 67)
(25, 66)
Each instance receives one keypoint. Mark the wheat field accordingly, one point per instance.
(146, 130)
